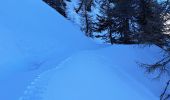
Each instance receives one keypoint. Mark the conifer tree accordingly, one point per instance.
(84, 9)
(115, 19)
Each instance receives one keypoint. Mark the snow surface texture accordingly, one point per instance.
(45, 57)
(92, 79)
(33, 38)
(92, 75)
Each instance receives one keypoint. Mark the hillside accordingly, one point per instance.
(44, 56)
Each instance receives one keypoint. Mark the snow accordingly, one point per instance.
(87, 76)
(46, 57)
(33, 36)
(99, 75)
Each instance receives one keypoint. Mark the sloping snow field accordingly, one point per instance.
(33, 38)
(46, 57)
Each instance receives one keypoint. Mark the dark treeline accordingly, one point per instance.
(126, 21)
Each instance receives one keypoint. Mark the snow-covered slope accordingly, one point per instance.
(98, 75)
(87, 76)
(36, 31)
(45, 57)
(32, 36)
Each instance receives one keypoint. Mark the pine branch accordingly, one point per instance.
(162, 96)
